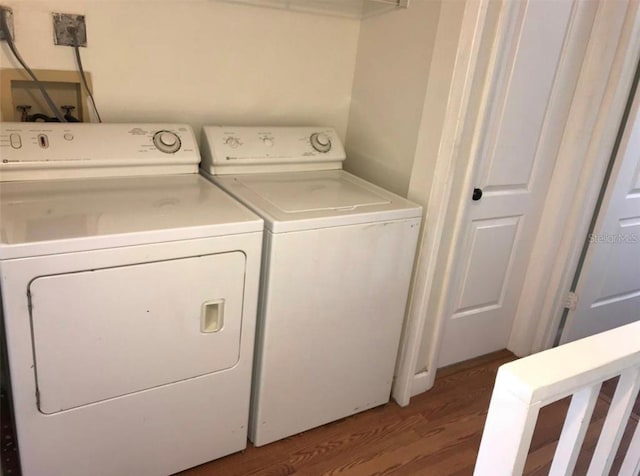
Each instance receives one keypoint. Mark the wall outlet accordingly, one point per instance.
(8, 14)
(64, 25)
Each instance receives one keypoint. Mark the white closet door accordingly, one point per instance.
(608, 287)
(513, 175)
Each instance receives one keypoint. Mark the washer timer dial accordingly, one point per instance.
(320, 142)
(167, 142)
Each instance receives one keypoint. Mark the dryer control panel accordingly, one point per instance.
(45, 150)
(240, 150)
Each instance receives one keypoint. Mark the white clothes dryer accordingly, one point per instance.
(128, 302)
(337, 262)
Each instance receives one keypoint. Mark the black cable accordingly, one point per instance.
(7, 33)
(39, 117)
(76, 46)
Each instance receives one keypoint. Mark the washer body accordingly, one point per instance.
(128, 305)
(337, 262)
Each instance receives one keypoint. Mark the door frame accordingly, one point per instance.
(603, 90)
(539, 309)
(407, 382)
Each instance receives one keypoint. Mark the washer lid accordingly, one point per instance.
(60, 216)
(307, 200)
(308, 193)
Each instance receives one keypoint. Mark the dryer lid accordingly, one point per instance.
(308, 200)
(57, 216)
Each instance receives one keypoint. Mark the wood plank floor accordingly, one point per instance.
(437, 434)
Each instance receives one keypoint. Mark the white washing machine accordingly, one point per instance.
(337, 261)
(128, 303)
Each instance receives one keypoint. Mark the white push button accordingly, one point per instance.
(168, 139)
(68, 136)
(15, 140)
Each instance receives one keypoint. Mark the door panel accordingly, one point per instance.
(103, 333)
(622, 265)
(478, 292)
(513, 157)
(514, 172)
(608, 287)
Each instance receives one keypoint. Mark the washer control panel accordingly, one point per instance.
(35, 151)
(227, 150)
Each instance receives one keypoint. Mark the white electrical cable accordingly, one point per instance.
(7, 33)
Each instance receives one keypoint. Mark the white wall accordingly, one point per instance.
(200, 61)
(429, 137)
(392, 69)
(436, 98)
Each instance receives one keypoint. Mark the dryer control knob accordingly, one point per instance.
(167, 142)
(320, 142)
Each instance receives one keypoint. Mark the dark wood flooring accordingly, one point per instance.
(437, 434)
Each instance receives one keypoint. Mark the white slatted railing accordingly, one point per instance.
(524, 386)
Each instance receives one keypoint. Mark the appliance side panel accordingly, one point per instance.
(331, 324)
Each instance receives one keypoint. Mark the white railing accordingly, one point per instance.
(524, 386)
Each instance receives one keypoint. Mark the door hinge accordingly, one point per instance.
(571, 301)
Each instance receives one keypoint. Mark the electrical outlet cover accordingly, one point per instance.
(9, 16)
(63, 25)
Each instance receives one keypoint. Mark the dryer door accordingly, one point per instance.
(102, 333)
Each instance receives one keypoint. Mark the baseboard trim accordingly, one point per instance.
(422, 382)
